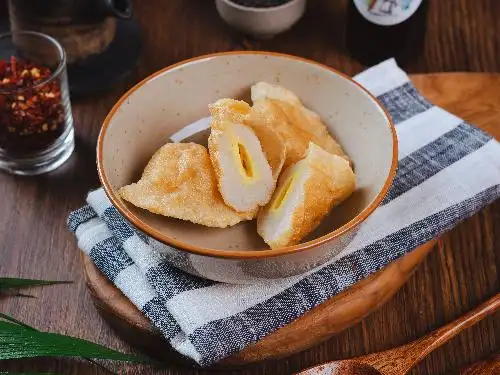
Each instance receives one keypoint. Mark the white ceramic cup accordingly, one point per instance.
(261, 23)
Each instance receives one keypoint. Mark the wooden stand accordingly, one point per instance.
(317, 325)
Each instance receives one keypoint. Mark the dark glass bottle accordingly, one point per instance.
(380, 29)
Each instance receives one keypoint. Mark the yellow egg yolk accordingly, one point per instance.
(246, 163)
(282, 194)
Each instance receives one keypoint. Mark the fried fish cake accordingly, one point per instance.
(306, 192)
(271, 141)
(229, 110)
(244, 176)
(179, 182)
(238, 111)
(279, 108)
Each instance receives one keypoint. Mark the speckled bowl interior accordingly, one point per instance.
(144, 119)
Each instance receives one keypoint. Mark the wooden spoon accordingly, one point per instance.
(489, 366)
(400, 360)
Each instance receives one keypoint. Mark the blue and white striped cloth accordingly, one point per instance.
(447, 171)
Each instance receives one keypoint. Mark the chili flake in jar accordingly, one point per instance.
(31, 110)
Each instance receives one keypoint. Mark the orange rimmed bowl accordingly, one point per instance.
(153, 110)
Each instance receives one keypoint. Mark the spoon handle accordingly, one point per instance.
(489, 366)
(400, 360)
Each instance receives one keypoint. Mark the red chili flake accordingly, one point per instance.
(3, 66)
(31, 113)
(13, 67)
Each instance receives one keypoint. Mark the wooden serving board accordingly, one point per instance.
(472, 96)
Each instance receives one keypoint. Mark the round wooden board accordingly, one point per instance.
(473, 96)
(315, 326)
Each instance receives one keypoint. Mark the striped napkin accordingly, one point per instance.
(448, 170)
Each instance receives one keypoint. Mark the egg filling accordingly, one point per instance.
(245, 178)
(306, 193)
(246, 162)
(282, 194)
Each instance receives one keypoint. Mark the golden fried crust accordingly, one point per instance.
(242, 194)
(231, 110)
(216, 132)
(297, 128)
(271, 141)
(239, 112)
(332, 182)
(280, 108)
(322, 180)
(179, 182)
(223, 111)
(264, 114)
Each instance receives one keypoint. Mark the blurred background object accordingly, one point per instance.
(83, 27)
(101, 40)
(36, 124)
(262, 19)
(381, 29)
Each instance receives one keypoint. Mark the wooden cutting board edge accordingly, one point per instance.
(472, 96)
(312, 328)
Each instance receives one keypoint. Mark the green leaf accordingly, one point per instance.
(14, 283)
(18, 322)
(18, 340)
(21, 295)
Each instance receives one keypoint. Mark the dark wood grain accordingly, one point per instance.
(399, 360)
(489, 366)
(462, 35)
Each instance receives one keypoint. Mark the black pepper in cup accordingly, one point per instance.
(260, 3)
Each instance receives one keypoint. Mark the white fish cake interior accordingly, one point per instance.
(306, 192)
(245, 178)
(240, 112)
(179, 182)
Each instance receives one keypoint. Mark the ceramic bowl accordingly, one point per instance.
(164, 103)
(261, 23)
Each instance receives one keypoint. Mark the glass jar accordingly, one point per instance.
(381, 29)
(36, 124)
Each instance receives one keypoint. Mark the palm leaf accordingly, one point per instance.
(18, 322)
(14, 283)
(18, 340)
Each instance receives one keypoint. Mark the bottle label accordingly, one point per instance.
(387, 12)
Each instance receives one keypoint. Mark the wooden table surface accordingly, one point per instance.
(462, 271)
